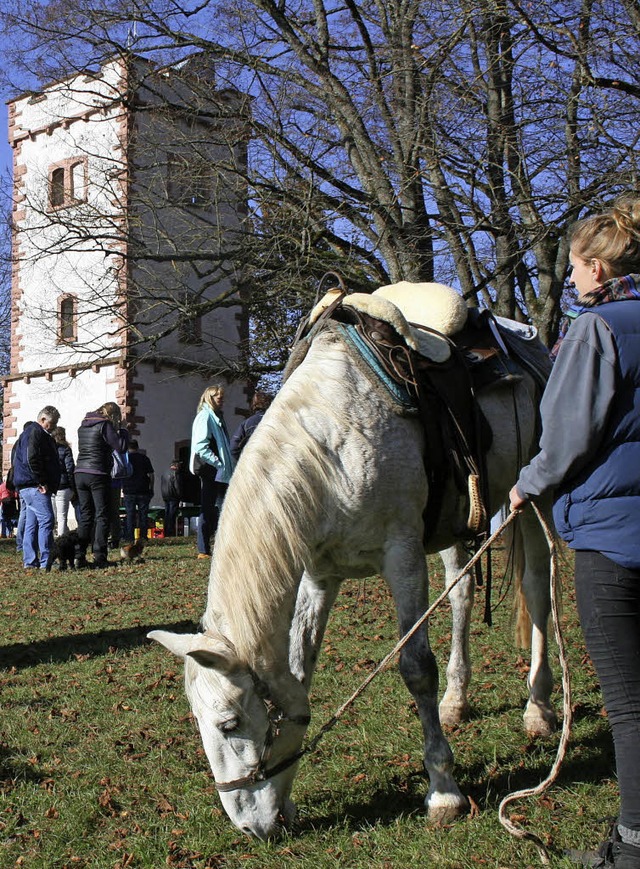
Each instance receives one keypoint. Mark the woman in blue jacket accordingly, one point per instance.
(590, 458)
(211, 461)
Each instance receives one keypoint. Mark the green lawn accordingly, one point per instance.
(101, 764)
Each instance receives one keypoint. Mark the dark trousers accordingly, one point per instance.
(211, 497)
(93, 500)
(170, 512)
(136, 504)
(608, 598)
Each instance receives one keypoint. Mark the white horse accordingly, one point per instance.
(332, 485)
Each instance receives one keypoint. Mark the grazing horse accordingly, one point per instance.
(332, 485)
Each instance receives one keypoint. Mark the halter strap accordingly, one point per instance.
(275, 716)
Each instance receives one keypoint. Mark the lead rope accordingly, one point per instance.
(566, 726)
(566, 708)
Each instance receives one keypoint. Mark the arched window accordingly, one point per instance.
(67, 319)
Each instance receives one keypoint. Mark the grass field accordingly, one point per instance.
(101, 764)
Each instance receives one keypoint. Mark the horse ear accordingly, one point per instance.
(205, 650)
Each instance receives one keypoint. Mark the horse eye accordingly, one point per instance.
(229, 726)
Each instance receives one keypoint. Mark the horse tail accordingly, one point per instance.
(523, 625)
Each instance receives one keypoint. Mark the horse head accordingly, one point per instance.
(252, 729)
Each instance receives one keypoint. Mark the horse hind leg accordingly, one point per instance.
(407, 577)
(531, 565)
(454, 706)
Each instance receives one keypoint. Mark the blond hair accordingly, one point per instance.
(209, 394)
(612, 237)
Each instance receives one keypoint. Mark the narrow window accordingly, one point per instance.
(56, 191)
(68, 182)
(67, 319)
(77, 185)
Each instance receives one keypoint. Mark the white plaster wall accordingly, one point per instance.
(72, 396)
(50, 263)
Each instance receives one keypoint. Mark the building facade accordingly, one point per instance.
(128, 190)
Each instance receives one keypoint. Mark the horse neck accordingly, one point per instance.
(273, 504)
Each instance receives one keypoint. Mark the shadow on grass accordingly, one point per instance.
(57, 649)
(10, 771)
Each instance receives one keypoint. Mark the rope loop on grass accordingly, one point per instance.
(566, 706)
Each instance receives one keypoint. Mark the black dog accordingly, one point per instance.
(64, 551)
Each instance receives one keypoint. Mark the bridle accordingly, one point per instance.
(275, 717)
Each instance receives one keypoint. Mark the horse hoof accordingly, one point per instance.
(453, 716)
(447, 813)
(540, 722)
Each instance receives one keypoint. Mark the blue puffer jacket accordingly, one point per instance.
(599, 508)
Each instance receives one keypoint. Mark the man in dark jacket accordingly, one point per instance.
(137, 491)
(171, 491)
(36, 475)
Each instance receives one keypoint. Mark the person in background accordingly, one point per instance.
(36, 475)
(9, 507)
(22, 507)
(590, 459)
(211, 461)
(171, 492)
(66, 489)
(98, 436)
(137, 491)
(259, 403)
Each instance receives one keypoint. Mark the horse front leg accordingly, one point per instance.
(313, 605)
(539, 716)
(454, 706)
(405, 570)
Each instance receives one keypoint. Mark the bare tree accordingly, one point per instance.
(394, 139)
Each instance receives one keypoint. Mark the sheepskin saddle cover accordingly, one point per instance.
(406, 307)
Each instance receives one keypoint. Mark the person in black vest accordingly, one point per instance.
(259, 403)
(171, 492)
(36, 475)
(590, 459)
(98, 436)
(137, 491)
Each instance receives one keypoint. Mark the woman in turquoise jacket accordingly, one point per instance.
(211, 461)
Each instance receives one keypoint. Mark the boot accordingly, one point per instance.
(602, 858)
(626, 856)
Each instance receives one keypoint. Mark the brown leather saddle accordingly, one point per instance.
(443, 393)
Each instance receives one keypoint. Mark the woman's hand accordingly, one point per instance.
(517, 502)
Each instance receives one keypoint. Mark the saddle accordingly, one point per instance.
(437, 375)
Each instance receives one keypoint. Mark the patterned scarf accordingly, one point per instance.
(615, 290)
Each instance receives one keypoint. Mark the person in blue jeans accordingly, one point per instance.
(137, 491)
(211, 461)
(36, 476)
(590, 459)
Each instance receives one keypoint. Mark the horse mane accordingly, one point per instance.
(274, 503)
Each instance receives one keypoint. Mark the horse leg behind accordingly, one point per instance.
(531, 567)
(531, 557)
(454, 706)
(313, 604)
(406, 573)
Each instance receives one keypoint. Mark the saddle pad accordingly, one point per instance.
(426, 344)
(435, 305)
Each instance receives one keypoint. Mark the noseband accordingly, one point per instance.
(275, 717)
